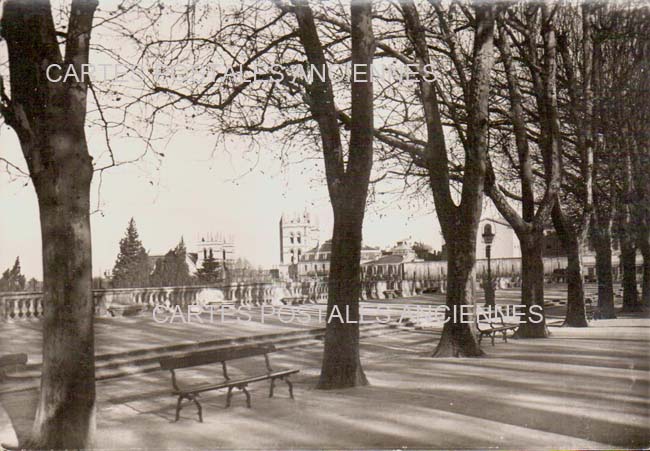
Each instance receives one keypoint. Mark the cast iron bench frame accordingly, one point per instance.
(495, 323)
(11, 361)
(295, 300)
(191, 393)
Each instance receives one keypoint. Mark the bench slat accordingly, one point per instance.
(13, 359)
(234, 383)
(214, 356)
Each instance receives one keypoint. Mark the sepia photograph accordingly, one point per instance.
(324, 224)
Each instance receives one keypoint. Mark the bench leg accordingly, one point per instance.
(248, 396)
(505, 336)
(272, 387)
(492, 336)
(290, 387)
(178, 407)
(228, 397)
(198, 407)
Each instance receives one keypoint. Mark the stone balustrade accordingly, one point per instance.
(16, 306)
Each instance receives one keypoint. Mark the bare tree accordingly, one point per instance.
(620, 53)
(534, 23)
(49, 119)
(348, 188)
(284, 56)
(459, 222)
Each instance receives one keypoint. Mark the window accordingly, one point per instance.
(298, 238)
(291, 238)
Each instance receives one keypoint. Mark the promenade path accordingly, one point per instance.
(581, 388)
(132, 333)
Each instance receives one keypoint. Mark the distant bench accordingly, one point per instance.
(490, 324)
(222, 356)
(388, 294)
(125, 309)
(11, 362)
(295, 300)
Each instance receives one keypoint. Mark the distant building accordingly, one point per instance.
(390, 263)
(298, 234)
(219, 246)
(316, 261)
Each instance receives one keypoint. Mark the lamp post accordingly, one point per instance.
(488, 237)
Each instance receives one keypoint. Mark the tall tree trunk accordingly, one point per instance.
(341, 366)
(628, 265)
(576, 315)
(604, 272)
(459, 338)
(49, 119)
(644, 247)
(65, 417)
(532, 287)
(459, 223)
(348, 187)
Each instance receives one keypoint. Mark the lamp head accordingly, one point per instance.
(488, 234)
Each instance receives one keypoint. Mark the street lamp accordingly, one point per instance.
(488, 237)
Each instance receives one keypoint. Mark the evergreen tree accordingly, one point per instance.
(210, 271)
(12, 279)
(172, 269)
(132, 264)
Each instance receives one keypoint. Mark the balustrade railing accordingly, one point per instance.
(18, 306)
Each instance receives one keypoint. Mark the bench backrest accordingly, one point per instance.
(495, 316)
(214, 356)
(13, 359)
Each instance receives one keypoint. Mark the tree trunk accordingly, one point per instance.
(65, 416)
(603, 245)
(459, 338)
(341, 366)
(644, 246)
(576, 315)
(628, 265)
(49, 119)
(348, 190)
(532, 287)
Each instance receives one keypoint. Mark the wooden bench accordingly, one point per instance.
(490, 324)
(125, 310)
(191, 393)
(294, 300)
(392, 294)
(11, 362)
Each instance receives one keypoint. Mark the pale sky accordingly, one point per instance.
(196, 188)
(192, 191)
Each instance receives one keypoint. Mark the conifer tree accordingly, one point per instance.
(12, 279)
(132, 264)
(172, 269)
(210, 271)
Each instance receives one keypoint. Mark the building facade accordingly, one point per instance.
(390, 264)
(298, 234)
(218, 245)
(316, 261)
